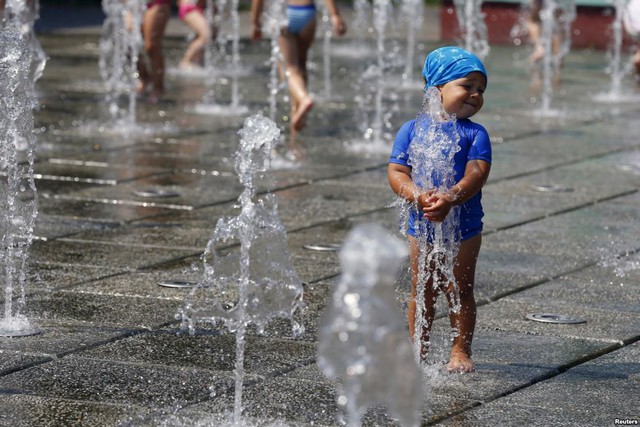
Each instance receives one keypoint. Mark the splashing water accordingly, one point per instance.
(359, 29)
(327, 34)
(258, 283)
(26, 13)
(275, 19)
(473, 27)
(616, 68)
(233, 59)
(363, 339)
(120, 44)
(213, 21)
(431, 155)
(556, 17)
(371, 84)
(413, 11)
(18, 197)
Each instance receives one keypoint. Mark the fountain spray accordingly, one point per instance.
(120, 45)
(473, 27)
(363, 339)
(432, 157)
(259, 283)
(20, 65)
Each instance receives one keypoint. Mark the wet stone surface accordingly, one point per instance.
(111, 351)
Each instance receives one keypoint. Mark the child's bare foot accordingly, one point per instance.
(297, 122)
(460, 362)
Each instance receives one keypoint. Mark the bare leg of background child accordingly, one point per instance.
(154, 23)
(194, 55)
(535, 30)
(294, 49)
(465, 320)
(143, 77)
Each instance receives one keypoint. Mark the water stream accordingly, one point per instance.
(120, 45)
(256, 284)
(617, 68)
(432, 157)
(472, 26)
(233, 71)
(363, 339)
(370, 88)
(556, 17)
(21, 63)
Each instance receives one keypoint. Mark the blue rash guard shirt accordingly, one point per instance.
(474, 145)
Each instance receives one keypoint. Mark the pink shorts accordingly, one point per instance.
(185, 9)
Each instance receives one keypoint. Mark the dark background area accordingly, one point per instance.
(56, 14)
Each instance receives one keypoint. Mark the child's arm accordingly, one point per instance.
(399, 177)
(437, 206)
(256, 14)
(339, 27)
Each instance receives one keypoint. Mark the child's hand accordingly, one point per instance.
(437, 206)
(339, 27)
(423, 198)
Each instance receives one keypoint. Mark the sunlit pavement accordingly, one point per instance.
(562, 219)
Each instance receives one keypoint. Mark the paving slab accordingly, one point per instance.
(509, 314)
(24, 410)
(74, 378)
(97, 254)
(596, 393)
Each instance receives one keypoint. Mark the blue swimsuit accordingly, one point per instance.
(474, 145)
(299, 17)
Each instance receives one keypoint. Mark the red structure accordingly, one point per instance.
(591, 28)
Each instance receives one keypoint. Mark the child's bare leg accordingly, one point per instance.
(143, 73)
(294, 50)
(465, 320)
(429, 300)
(153, 26)
(535, 29)
(194, 55)
(143, 77)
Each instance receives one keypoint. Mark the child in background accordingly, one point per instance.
(154, 23)
(295, 41)
(191, 12)
(460, 79)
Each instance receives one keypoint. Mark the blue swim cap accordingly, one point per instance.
(450, 63)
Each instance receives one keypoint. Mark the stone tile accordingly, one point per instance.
(87, 253)
(20, 410)
(264, 356)
(102, 311)
(509, 315)
(99, 381)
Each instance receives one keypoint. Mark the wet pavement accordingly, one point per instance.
(110, 351)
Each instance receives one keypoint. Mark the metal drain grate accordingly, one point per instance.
(177, 284)
(553, 318)
(322, 247)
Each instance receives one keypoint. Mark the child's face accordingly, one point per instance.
(463, 97)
